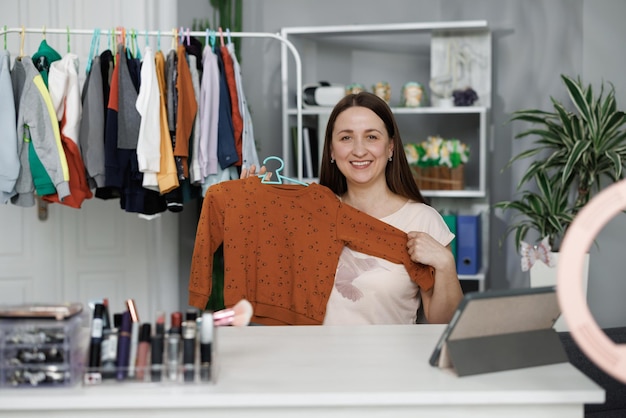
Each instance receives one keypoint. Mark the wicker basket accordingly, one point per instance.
(439, 178)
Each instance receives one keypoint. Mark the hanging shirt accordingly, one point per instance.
(371, 290)
(91, 133)
(37, 132)
(65, 95)
(248, 144)
(209, 113)
(229, 72)
(226, 150)
(9, 157)
(186, 110)
(195, 176)
(281, 248)
(149, 137)
(167, 176)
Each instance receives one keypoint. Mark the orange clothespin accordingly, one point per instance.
(219, 29)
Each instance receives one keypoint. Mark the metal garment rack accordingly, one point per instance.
(175, 33)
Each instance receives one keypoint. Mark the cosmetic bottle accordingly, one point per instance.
(156, 349)
(173, 346)
(95, 343)
(109, 348)
(143, 351)
(189, 331)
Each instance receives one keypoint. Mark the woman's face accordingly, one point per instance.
(361, 146)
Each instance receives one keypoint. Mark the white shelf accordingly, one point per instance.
(345, 54)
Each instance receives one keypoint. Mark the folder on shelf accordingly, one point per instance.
(468, 246)
(501, 330)
(450, 220)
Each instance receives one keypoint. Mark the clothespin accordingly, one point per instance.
(188, 37)
(221, 36)
(206, 37)
(228, 35)
(146, 36)
(22, 36)
(5, 37)
(174, 38)
(43, 31)
(68, 40)
(159, 40)
(182, 35)
(93, 51)
(212, 39)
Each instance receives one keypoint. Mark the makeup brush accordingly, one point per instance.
(237, 316)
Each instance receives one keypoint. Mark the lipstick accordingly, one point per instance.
(143, 351)
(173, 346)
(157, 348)
(123, 346)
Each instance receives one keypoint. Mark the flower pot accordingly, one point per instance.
(543, 275)
(439, 177)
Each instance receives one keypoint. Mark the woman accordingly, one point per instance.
(364, 164)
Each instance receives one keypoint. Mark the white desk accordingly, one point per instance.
(372, 371)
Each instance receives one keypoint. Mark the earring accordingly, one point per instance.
(390, 158)
(332, 161)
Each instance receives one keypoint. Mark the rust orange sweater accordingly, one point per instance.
(282, 245)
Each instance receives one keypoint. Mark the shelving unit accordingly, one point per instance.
(399, 53)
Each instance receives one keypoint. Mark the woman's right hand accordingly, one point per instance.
(245, 173)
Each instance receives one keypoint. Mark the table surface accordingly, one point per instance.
(263, 368)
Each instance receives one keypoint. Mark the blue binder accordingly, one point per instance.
(468, 245)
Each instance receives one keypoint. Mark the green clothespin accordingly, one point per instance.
(68, 40)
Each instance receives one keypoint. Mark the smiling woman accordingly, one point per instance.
(365, 165)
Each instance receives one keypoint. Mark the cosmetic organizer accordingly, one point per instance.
(172, 370)
(40, 346)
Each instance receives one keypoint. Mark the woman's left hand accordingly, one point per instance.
(424, 249)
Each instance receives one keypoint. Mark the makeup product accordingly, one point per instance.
(156, 354)
(173, 346)
(238, 316)
(143, 351)
(189, 330)
(95, 343)
(134, 336)
(206, 346)
(109, 348)
(123, 346)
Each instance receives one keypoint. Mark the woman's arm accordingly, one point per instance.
(442, 300)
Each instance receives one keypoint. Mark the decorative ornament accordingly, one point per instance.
(532, 253)
(412, 94)
(382, 89)
(354, 88)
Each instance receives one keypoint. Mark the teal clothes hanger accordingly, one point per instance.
(266, 178)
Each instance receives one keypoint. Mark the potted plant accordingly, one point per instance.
(577, 151)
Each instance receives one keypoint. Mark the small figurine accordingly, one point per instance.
(354, 88)
(382, 89)
(412, 94)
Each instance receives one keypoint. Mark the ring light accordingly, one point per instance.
(603, 351)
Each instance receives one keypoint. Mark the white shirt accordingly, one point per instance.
(372, 290)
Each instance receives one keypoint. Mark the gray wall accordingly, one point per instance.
(534, 41)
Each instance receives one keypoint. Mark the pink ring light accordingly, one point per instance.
(605, 353)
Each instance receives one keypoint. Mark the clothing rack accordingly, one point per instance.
(187, 33)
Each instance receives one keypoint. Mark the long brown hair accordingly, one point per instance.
(397, 172)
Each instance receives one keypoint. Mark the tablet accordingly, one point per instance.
(497, 312)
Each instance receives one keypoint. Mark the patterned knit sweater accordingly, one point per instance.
(282, 245)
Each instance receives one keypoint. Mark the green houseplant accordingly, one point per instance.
(576, 152)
